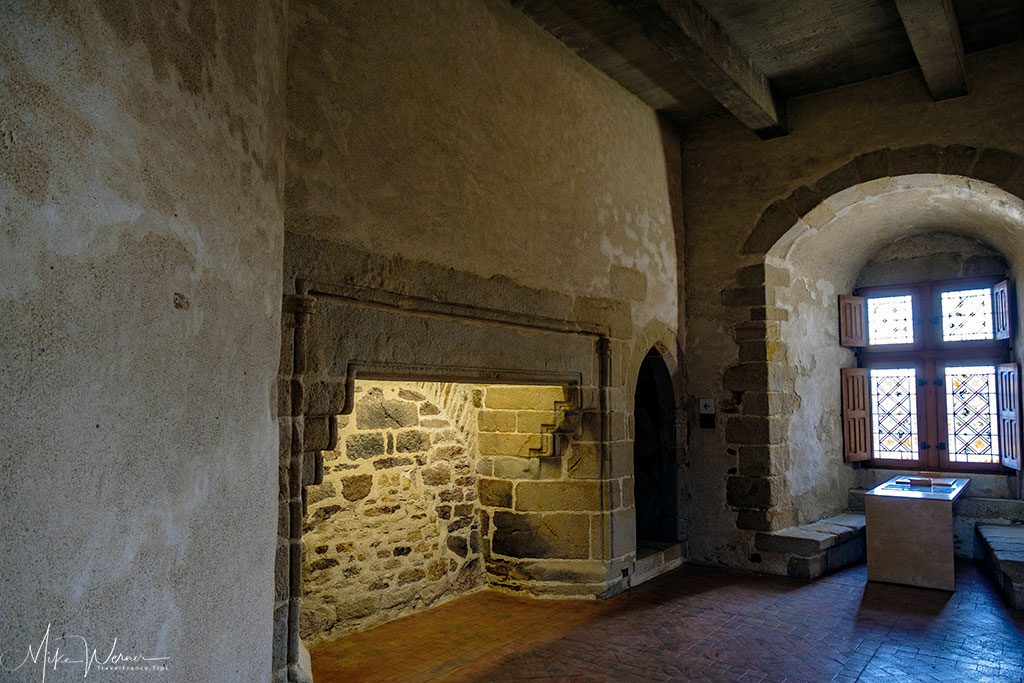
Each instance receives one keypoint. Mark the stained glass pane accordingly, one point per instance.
(894, 413)
(891, 320)
(971, 413)
(966, 315)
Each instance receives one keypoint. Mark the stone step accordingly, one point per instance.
(814, 538)
(816, 549)
(1004, 553)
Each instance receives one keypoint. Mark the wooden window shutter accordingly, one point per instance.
(1008, 403)
(853, 321)
(1002, 313)
(856, 414)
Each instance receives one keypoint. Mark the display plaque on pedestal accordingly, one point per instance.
(909, 526)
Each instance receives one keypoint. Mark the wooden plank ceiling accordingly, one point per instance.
(696, 59)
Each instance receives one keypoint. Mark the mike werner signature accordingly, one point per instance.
(72, 650)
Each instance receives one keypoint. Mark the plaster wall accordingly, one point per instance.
(730, 178)
(931, 256)
(468, 137)
(141, 188)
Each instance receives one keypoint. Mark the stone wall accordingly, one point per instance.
(433, 488)
(743, 197)
(141, 197)
(501, 213)
(393, 527)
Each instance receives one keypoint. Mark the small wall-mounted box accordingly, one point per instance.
(706, 413)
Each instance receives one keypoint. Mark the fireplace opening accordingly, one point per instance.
(654, 458)
(430, 493)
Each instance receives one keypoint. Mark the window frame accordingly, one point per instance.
(930, 354)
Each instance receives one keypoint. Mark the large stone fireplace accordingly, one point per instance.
(430, 448)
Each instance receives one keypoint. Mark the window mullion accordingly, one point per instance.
(929, 416)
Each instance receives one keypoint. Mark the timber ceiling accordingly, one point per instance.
(799, 46)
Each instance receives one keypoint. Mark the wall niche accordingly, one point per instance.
(398, 524)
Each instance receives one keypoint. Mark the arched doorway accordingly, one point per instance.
(654, 457)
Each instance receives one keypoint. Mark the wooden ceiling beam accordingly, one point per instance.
(697, 43)
(935, 36)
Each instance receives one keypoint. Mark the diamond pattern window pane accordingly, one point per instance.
(891, 320)
(971, 413)
(894, 413)
(967, 315)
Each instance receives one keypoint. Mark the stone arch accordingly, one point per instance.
(758, 433)
(1002, 168)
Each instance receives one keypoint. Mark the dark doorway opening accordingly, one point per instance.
(654, 456)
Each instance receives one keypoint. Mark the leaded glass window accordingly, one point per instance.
(971, 414)
(925, 395)
(894, 413)
(891, 320)
(967, 315)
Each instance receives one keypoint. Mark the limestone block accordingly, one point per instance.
(749, 492)
(836, 181)
(853, 521)
(850, 552)
(746, 377)
(761, 350)
(284, 396)
(412, 441)
(523, 397)
(409, 395)
(995, 166)
(317, 434)
(620, 455)
(807, 567)
(360, 446)
(544, 496)
(536, 421)
(391, 462)
(319, 492)
(495, 492)
(755, 429)
(532, 535)
(623, 532)
(457, 545)
(762, 460)
(840, 532)
(376, 412)
(497, 420)
(757, 329)
(436, 475)
(583, 460)
(282, 573)
(740, 297)
(773, 224)
(324, 397)
(356, 487)
(873, 165)
(628, 485)
(523, 445)
(768, 313)
(796, 541)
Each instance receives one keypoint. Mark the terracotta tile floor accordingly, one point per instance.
(701, 624)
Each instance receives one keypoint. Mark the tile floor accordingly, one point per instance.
(701, 624)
